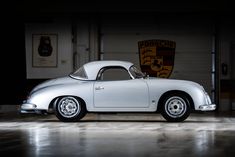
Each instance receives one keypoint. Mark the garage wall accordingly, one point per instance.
(227, 56)
(64, 49)
(120, 35)
(85, 44)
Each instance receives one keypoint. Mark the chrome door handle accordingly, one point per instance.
(99, 88)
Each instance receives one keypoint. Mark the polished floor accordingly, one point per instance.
(118, 135)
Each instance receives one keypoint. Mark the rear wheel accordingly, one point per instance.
(175, 108)
(69, 109)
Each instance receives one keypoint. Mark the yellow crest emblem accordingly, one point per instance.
(157, 57)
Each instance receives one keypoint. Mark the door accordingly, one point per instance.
(116, 89)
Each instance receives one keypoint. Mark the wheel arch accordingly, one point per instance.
(164, 95)
(53, 101)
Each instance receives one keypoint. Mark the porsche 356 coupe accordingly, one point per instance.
(116, 86)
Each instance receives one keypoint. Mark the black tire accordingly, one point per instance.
(175, 107)
(69, 109)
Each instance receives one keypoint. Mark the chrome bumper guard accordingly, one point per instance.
(29, 108)
(209, 107)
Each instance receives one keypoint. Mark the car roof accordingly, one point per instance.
(92, 68)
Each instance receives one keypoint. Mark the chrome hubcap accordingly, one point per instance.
(68, 107)
(175, 106)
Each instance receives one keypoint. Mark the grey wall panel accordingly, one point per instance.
(132, 57)
(193, 45)
(128, 42)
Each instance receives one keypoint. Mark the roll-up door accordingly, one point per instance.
(120, 36)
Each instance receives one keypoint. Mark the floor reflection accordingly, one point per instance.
(65, 141)
(119, 139)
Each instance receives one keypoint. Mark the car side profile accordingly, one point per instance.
(116, 86)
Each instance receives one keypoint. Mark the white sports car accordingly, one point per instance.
(116, 86)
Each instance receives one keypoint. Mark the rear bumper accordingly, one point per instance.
(209, 107)
(30, 108)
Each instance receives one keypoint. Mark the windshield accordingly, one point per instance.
(80, 73)
(136, 73)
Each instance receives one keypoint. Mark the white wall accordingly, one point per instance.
(64, 62)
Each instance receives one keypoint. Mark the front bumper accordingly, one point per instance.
(209, 107)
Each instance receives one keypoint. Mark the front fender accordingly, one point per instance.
(158, 87)
(199, 96)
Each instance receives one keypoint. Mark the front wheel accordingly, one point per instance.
(175, 108)
(69, 109)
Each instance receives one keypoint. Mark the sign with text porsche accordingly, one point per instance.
(157, 57)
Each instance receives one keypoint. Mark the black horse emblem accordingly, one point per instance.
(157, 57)
(45, 49)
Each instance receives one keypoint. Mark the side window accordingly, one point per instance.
(113, 73)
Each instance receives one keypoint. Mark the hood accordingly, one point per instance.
(57, 81)
(178, 82)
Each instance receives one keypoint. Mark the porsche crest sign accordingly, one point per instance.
(157, 57)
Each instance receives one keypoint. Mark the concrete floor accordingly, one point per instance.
(118, 135)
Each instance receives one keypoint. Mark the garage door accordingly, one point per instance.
(120, 36)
